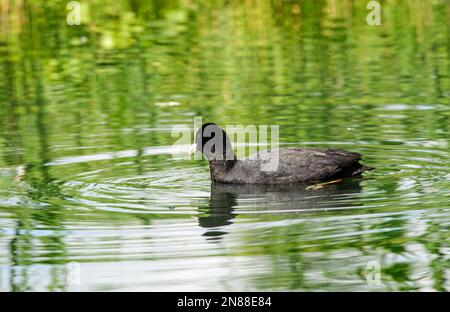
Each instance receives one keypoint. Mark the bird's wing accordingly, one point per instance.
(307, 164)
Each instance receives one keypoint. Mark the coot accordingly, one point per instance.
(278, 166)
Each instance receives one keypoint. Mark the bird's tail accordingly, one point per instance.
(361, 168)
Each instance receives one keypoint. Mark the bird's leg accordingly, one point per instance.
(321, 185)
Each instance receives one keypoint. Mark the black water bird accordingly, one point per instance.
(277, 166)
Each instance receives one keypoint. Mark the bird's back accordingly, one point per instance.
(294, 165)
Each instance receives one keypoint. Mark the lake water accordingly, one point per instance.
(92, 199)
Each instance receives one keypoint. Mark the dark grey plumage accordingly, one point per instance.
(295, 164)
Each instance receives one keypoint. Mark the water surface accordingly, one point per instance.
(92, 199)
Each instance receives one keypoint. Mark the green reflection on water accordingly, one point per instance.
(132, 70)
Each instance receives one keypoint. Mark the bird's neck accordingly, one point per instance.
(219, 168)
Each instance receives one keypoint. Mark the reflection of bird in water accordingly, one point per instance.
(219, 212)
(293, 198)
